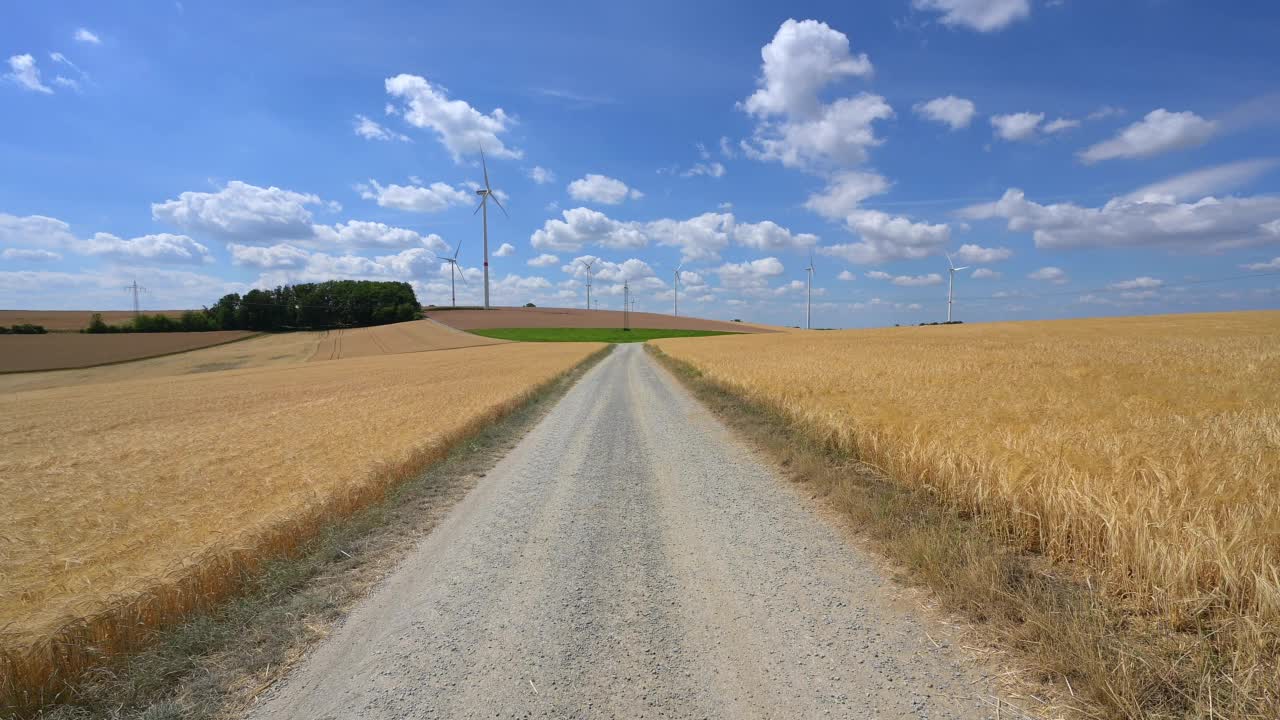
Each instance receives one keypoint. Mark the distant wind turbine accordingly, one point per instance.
(485, 194)
(588, 265)
(676, 284)
(951, 282)
(453, 266)
(808, 301)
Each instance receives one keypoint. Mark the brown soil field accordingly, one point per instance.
(127, 506)
(262, 351)
(574, 318)
(55, 351)
(413, 336)
(72, 320)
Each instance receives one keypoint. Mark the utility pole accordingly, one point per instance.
(626, 307)
(135, 288)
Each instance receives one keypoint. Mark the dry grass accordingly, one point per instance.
(131, 506)
(1141, 453)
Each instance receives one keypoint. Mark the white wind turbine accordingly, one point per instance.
(453, 268)
(588, 265)
(485, 194)
(808, 301)
(676, 285)
(951, 282)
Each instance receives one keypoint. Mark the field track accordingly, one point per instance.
(576, 318)
(64, 351)
(630, 559)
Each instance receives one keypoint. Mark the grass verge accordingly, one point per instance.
(214, 663)
(1102, 659)
(608, 335)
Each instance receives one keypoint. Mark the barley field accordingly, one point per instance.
(126, 504)
(1144, 451)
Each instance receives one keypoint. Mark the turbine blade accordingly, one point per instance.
(486, 197)
(463, 276)
(949, 263)
(499, 202)
(455, 252)
(966, 267)
(484, 165)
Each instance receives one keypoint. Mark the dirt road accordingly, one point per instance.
(630, 559)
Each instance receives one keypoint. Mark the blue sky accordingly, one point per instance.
(1080, 158)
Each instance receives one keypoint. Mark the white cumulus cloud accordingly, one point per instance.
(505, 250)
(461, 128)
(1159, 132)
(1017, 127)
(370, 129)
(161, 247)
(885, 237)
(24, 71)
(86, 35)
(415, 198)
(980, 15)
(1050, 274)
(951, 111)
(845, 191)
(602, 189)
(541, 175)
(976, 254)
(544, 260)
(30, 255)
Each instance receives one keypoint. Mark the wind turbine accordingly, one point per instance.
(676, 284)
(808, 301)
(485, 194)
(588, 265)
(951, 282)
(453, 266)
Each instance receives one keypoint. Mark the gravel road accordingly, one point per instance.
(629, 558)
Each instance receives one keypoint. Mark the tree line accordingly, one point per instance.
(305, 306)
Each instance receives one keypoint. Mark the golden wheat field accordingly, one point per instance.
(126, 505)
(1144, 450)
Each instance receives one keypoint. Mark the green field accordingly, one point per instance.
(608, 335)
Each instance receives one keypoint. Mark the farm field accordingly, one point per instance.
(126, 506)
(1145, 451)
(609, 335)
(73, 320)
(262, 351)
(577, 318)
(56, 351)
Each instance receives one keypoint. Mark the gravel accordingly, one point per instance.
(630, 558)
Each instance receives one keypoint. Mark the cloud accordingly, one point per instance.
(602, 189)
(29, 255)
(36, 230)
(699, 238)
(23, 70)
(161, 247)
(1050, 274)
(1159, 132)
(370, 130)
(710, 169)
(241, 210)
(1209, 224)
(907, 280)
(462, 129)
(845, 191)
(505, 250)
(1017, 127)
(794, 125)
(583, 226)
(413, 198)
(980, 15)
(976, 254)
(275, 257)
(101, 288)
(726, 147)
(986, 274)
(772, 237)
(1199, 183)
(543, 260)
(66, 82)
(886, 237)
(366, 234)
(1272, 264)
(85, 35)
(846, 276)
(1061, 125)
(751, 275)
(1138, 283)
(952, 111)
(541, 175)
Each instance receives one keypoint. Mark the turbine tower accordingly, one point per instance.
(453, 267)
(588, 265)
(808, 300)
(676, 285)
(485, 194)
(951, 282)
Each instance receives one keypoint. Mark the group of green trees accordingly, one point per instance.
(23, 329)
(335, 303)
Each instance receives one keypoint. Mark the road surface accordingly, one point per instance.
(629, 558)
